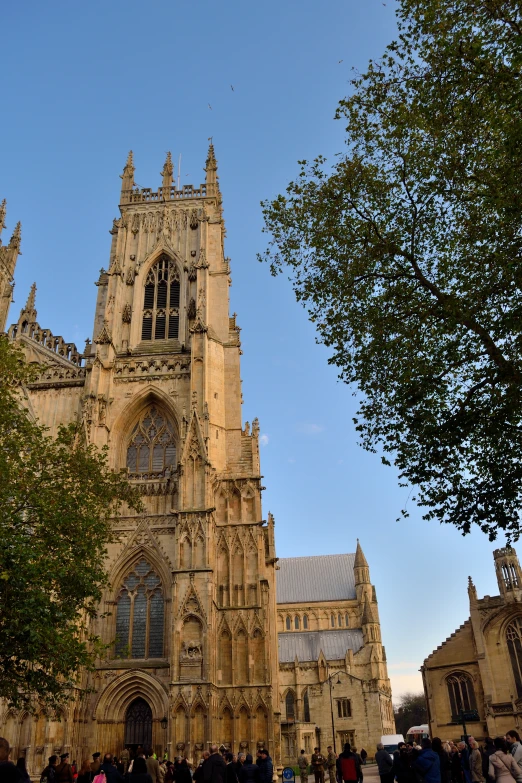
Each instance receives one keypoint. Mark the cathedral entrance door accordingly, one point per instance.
(138, 724)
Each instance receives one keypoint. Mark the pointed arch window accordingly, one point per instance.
(140, 614)
(297, 623)
(161, 301)
(288, 624)
(152, 446)
(461, 693)
(305, 621)
(306, 706)
(290, 705)
(514, 644)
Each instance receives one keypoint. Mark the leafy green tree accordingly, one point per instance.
(411, 711)
(57, 497)
(407, 252)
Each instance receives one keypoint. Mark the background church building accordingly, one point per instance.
(479, 667)
(213, 638)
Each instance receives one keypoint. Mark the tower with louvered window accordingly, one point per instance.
(190, 612)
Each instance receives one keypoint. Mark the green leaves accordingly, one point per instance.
(407, 254)
(57, 497)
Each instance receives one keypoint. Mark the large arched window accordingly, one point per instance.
(140, 614)
(461, 693)
(152, 445)
(306, 706)
(161, 301)
(514, 643)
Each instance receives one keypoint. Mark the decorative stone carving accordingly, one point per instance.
(126, 315)
(104, 336)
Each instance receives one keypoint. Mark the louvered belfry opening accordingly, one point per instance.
(161, 301)
(138, 724)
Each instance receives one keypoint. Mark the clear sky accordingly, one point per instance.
(82, 83)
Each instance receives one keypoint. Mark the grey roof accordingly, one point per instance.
(316, 578)
(308, 644)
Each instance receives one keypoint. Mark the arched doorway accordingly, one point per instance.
(138, 724)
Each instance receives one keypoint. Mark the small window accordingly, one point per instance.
(305, 621)
(306, 706)
(347, 620)
(296, 623)
(339, 620)
(288, 624)
(332, 621)
(344, 708)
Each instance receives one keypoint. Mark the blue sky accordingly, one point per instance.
(84, 83)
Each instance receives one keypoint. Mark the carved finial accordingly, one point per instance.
(17, 236)
(127, 178)
(167, 172)
(211, 170)
(3, 210)
(255, 427)
(472, 591)
(29, 305)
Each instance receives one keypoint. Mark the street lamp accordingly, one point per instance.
(164, 722)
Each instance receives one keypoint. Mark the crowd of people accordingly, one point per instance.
(216, 765)
(498, 760)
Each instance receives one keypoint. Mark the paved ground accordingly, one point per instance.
(370, 774)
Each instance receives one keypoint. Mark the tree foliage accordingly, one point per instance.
(56, 500)
(411, 711)
(406, 251)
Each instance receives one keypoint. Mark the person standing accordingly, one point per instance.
(22, 769)
(514, 746)
(153, 767)
(85, 774)
(384, 764)
(109, 770)
(49, 773)
(502, 766)
(266, 767)
(331, 761)
(302, 763)
(63, 770)
(95, 764)
(464, 761)
(348, 766)
(318, 762)
(249, 772)
(214, 767)
(427, 763)
(475, 763)
(444, 760)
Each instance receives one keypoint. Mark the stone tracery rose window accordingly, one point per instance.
(152, 445)
(140, 614)
(161, 301)
(514, 644)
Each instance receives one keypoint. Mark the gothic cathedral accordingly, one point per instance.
(191, 614)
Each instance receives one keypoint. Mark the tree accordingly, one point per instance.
(57, 497)
(411, 711)
(407, 254)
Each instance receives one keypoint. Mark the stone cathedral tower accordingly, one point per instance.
(192, 600)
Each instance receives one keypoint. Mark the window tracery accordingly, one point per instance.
(514, 644)
(140, 614)
(161, 301)
(152, 446)
(461, 693)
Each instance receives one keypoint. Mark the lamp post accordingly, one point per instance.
(164, 723)
(331, 705)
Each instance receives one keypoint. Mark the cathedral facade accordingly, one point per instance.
(191, 614)
(479, 667)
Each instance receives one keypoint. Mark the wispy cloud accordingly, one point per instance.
(264, 440)
(309, 428)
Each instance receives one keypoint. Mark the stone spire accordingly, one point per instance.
(2, 214)
(472, 592)
(127, 178)
(370, 623)
(509, 573)
(168, 170)
(29, 311)
(211, 178)
(361, 570)
(360, 560)
(17, 237)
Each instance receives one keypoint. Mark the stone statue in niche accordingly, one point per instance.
(191, 651)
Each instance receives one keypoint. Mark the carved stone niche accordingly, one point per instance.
(191, 653)
(180, 746)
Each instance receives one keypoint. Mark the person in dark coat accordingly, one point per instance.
(427, 763)
(9, 772)
(183, 773)
(230, 772)
(139, 772)
(402, 769)
(249, 772)
(49, 772)
(214, 767)
(24, 775)
(111, 773)
(444, 760)
(266, 767)
(384, 764)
